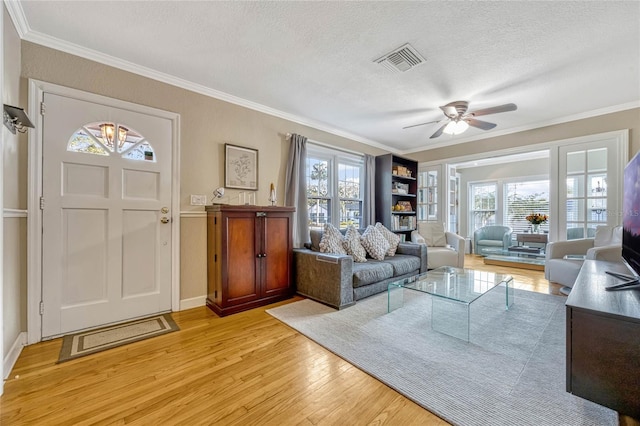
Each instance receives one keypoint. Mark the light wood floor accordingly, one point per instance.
(246, 368)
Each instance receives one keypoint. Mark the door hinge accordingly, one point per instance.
(43, 108)
(215, 294)
(215, 257)
(215, 220)
(41, 307)
(41, 203)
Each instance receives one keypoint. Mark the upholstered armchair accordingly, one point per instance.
(564, 259)
(491, 236)
(443, 248)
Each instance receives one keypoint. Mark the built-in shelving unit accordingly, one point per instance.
(396, 193)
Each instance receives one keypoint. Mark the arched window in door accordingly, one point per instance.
(105, 138)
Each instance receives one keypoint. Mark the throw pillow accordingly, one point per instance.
(316, 236)
(374, 243)
(433, 233)
(353, 246)
(331, 241)
(393, 239)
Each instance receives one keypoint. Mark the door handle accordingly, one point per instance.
(259, 256)
(165, 220)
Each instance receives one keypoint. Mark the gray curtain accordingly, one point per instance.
(369, 202)
(296, 188)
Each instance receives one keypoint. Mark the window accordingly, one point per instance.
(483, 204)
(334, 190)
(522, 199)
(586, 194)
(92, 139)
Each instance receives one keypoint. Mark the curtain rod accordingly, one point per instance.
(326, 145)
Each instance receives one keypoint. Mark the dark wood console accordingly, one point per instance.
(603, 340)
(249, 256)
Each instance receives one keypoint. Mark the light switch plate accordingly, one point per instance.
(198, 200)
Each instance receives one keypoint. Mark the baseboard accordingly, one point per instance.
(12, 357)
(194, 302)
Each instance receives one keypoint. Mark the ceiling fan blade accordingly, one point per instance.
(484, 125)
(439, 131)
(421, 124)
(494, 110)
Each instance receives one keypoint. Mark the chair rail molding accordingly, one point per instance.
(9, 213)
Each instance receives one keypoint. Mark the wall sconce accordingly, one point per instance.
(16, 119)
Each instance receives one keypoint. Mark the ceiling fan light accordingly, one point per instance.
(456, 127)
(461, 127)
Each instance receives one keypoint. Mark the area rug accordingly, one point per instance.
(92, 341)
(511, 372)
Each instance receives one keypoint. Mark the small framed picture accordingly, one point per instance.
(240, 167)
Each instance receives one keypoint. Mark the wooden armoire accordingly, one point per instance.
(249, 256)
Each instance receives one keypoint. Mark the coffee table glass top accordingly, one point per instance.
(513, 253)
(461, 285)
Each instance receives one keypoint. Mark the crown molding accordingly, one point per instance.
(561, 120)
(14, 7)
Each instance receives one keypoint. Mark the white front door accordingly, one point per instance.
(106, 237)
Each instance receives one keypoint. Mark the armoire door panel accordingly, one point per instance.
(241, 263)
(277, 263)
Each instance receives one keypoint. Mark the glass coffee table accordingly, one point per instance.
(452, 291)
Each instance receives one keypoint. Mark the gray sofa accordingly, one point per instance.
(336, 280)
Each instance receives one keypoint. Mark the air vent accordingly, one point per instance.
(402, 59)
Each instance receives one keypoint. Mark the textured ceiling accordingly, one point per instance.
(313, 61)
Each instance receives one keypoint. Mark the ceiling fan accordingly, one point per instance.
(459, 120)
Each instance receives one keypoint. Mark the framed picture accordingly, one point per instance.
(240, 167)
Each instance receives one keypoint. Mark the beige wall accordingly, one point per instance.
(14, 271)
(206, 125)
(629, 119)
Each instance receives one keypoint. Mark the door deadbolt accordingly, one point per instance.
(164, 210)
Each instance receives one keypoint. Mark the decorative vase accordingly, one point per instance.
(535, 228)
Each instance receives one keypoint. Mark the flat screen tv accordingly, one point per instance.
(630, 226)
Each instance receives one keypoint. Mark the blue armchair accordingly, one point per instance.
(491, 236)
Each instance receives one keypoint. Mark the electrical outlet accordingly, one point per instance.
(198, 200)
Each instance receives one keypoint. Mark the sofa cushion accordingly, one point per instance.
(371, 272)
(331, 241)
(433, 233)
(403, 264)
(374, 242)
(353, 246)
(392, 238)
(441, 256)
(490, 243)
